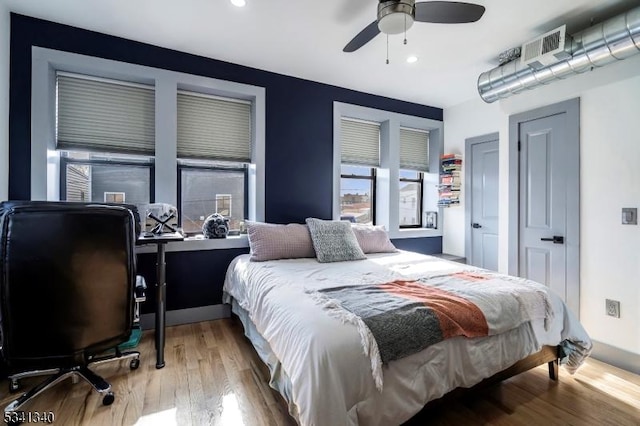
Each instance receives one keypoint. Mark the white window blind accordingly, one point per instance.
(213, 128)
(360, 142)
(414, 149)
(104, 115)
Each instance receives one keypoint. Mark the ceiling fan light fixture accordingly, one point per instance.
(395, 23)
(395, 17)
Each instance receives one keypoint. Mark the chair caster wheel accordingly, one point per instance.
(108, 399)
(134, 364)
(14, 385)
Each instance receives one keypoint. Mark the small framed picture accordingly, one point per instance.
(431, 220)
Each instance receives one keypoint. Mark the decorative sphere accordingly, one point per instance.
(215, 226)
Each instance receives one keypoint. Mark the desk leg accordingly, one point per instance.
(161, 293)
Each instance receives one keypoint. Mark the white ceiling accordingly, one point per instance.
(305, 38)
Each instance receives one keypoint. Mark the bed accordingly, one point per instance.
(318, 357)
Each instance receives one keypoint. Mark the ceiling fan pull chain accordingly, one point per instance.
(405, 29)
(387, 49)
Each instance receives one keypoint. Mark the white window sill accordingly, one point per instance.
(415, 233)
(196, 244)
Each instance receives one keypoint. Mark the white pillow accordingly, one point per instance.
(373, 239)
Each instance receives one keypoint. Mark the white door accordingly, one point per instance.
(543, 202)
(483, 200)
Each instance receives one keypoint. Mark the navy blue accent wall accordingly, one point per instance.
(205, 269)
(299, 121)
(299, 135)
(429, 245)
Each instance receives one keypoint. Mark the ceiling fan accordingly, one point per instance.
(396, 16)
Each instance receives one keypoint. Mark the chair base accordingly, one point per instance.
(75, 372)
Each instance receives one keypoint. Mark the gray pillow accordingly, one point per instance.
(334, 241)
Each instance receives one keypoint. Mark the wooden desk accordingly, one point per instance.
(161, 288)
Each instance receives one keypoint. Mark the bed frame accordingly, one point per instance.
(547, 355)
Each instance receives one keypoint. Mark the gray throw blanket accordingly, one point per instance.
(399, 318)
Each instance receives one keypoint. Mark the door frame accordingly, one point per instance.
(468, 205)
(571, 109)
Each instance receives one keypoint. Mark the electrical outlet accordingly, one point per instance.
(613, 308)
(629, 216)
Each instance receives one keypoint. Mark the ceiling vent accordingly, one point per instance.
(546, 49)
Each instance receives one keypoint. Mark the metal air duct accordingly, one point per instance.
(615, 39)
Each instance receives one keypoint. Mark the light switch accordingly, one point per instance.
(629, 216)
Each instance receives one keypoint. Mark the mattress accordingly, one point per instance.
(318, 363)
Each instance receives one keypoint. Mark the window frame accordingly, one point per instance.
(371, 177)
(65, 161)
(45, 159)
(419, 180)
(114, 193)
(388, 174)
(224, 197)
(211, 167)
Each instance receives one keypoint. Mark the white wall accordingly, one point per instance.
(461, 122)
(609, 180)
(4, 101)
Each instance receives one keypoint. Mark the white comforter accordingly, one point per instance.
(331, 377)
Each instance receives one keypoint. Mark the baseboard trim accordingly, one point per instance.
(187, 316)
(616, 357)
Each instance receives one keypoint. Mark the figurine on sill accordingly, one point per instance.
(161, 224)
(159, 218)
(215, 226)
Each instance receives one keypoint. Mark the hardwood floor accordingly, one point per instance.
(213, 376)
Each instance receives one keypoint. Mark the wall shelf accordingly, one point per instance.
(450, 181)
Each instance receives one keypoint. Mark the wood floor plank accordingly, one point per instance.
(575, 396)
(492, 413)
(214, 377)
(208, 334)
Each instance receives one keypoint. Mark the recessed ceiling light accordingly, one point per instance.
(239, 3)
(411, 59)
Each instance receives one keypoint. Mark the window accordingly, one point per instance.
(223, 204)
(114, 197)
(213, 127)
(101, 126)
(414, 149)
(357, 194)
(414, 160)
(100, 120)
(214, 153)
(410, 199)
(110, 178)
(360, 155)
(360, 142)
(211, 189)
(392, 152)
(97, 114)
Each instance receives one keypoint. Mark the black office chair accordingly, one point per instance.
(67, 283)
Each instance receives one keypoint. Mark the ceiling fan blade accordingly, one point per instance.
(444, 12)
(363, 37)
